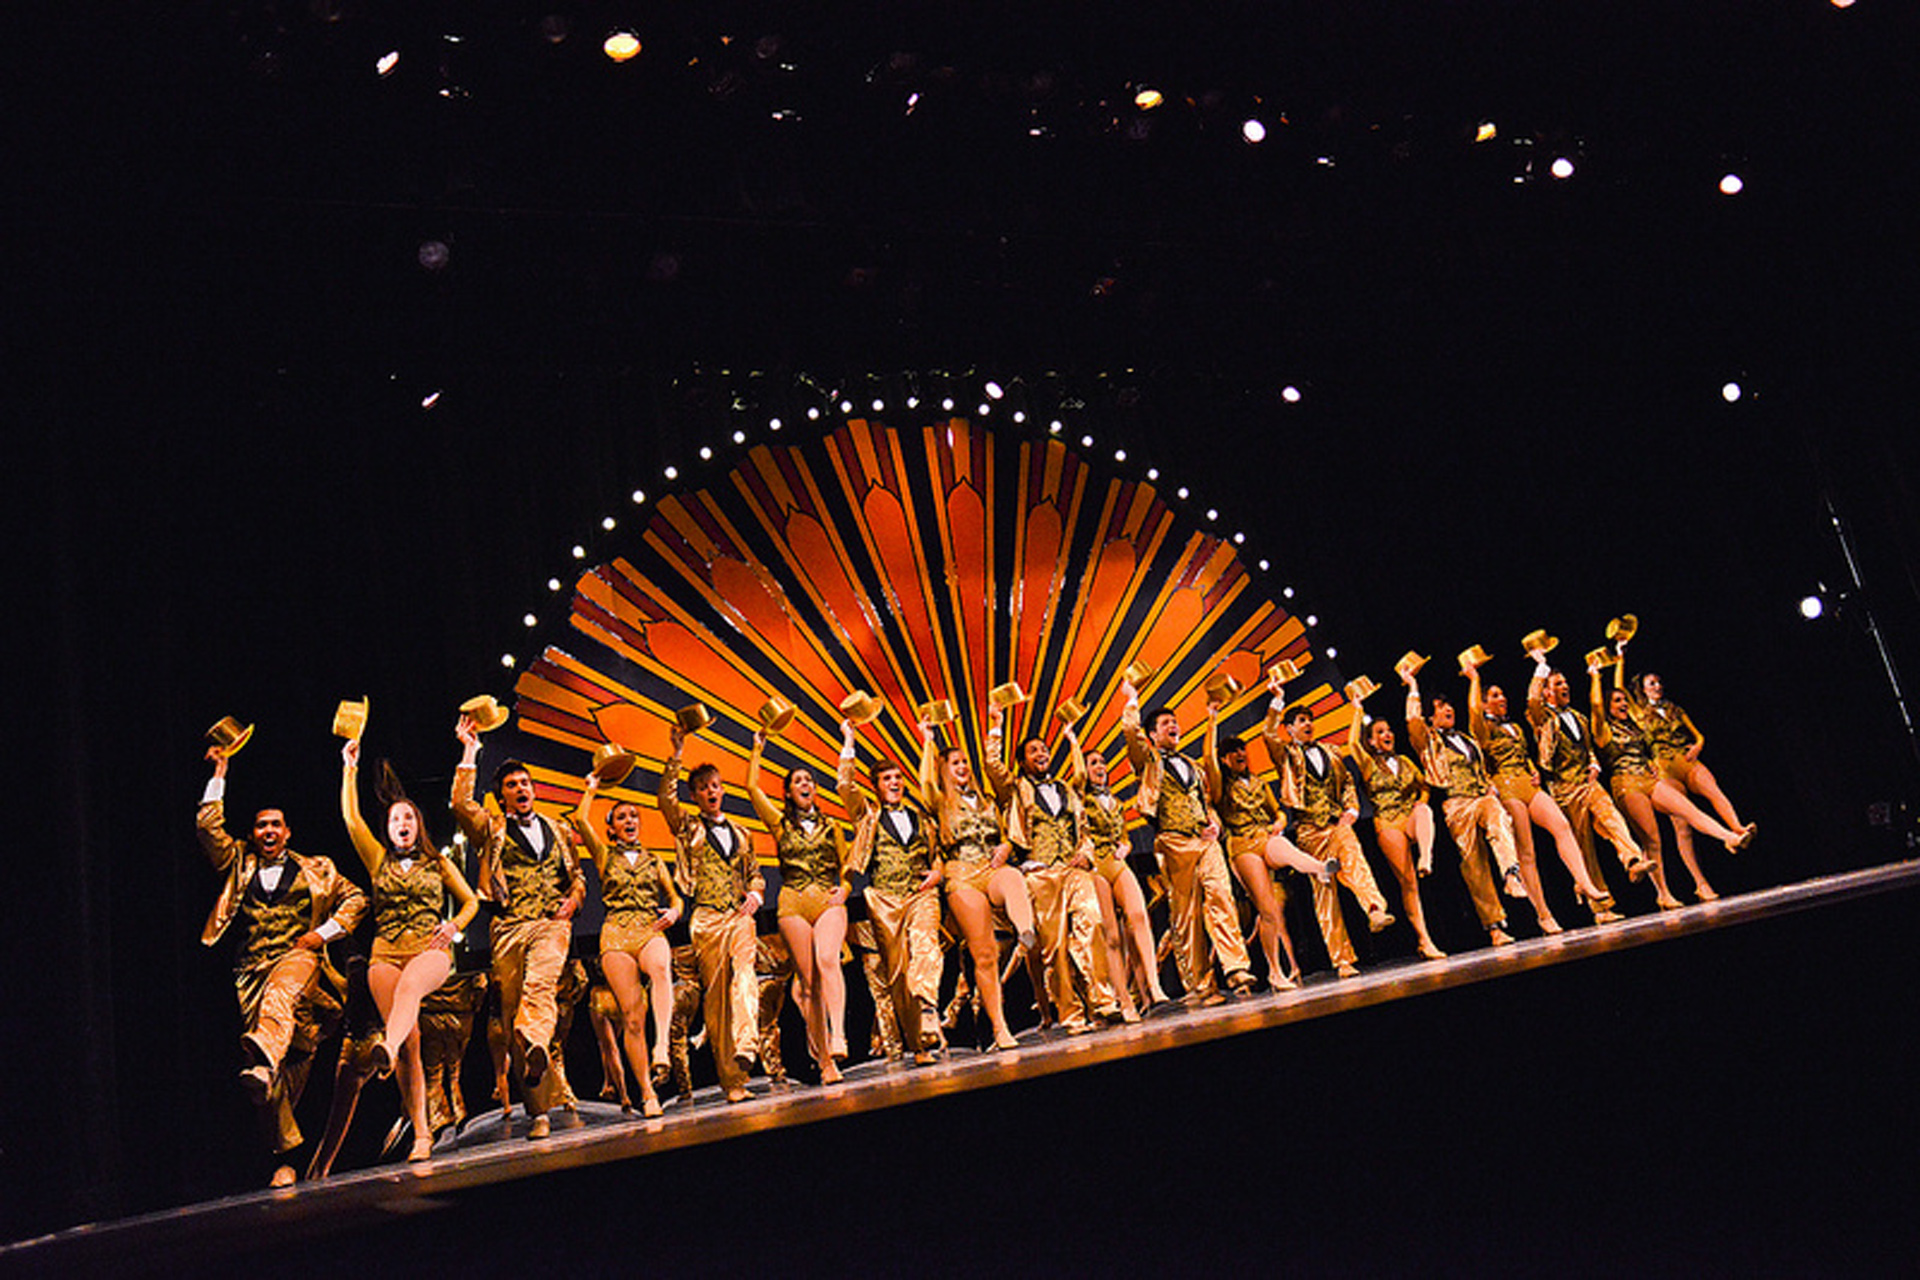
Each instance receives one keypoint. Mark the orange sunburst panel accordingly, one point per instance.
(910, 564)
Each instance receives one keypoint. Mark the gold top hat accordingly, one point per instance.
(1410, 663)
(1474, 657)
(1221, 689)
(775, 714)
(860, 708)
(350, 718)
(939, 711)
(1538, 641)
(1006, 695)
(1070, 711)
(693, 718)
(1361, 688)
(486, 713)
(1622, 628)
(612, 763)
(1138, 673)
(1600, 657)
(1286, 671)
(229, 735)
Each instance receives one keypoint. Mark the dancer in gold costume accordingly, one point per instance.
(1676, 740)
(1641, 790)
(1173, 796)
(1402, 818)
(1474, 813)
(412, 945)
(1564, 743)
(289, 907)
(716, 868)
(641, 905)
(813, 904)
(1252, 831)
(528, 869)
(1122, 904)
(1320, 792)
(1517, 783)
(893, 845)
(1047, 825)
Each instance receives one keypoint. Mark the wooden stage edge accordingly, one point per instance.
(483, 1154)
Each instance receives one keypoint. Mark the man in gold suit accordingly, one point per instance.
(715, 867)
(529, 872)
(1046, 825)
(1187, 839)
(290, 907)
(1315, 785)
(1571, 771)
(893, 845)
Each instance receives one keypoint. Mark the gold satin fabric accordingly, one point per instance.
(906, 933)
(1203, 919)
(723, 941)
(1340, 843)
(528, 956)
(1066, 910)
(1477, 825)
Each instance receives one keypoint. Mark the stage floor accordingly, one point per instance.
(485, 1153)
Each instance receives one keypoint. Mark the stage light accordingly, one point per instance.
(1562, 168)
(1811, 607)
(1290, 393)
(639, 496)
(1264, 566)
(913, 402)
(846, 406)
(607, 523)
(1486, 132)
(579, 552)
(995, 391)
(1239, 539)
(1286, 593)
(672, 473)
(1212, 514)
(773, 424)
(1148, 98)
(1731, 185)
(739, 437)
(1153, 473)
(555, 28)
(1019, 415)
(985, 408)
(1253, 131)
(1086, 442)
(706, 453)
(553, 584)
(1054, 427)
(429, 400)
(433, 255)
(1181, 493)
(879, 406)
(813, 413)
(1731, 392)
(531, 620)
(1313, 620)
(620, 45)
(1119, 455)
(506, 660)
(388, 61)
(1842, 4)
(947, 404)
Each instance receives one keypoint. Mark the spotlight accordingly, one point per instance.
(1153, 473)
(706, 453)
(433, 255)
(607, 523)
(388, 61)
(1253, 131)
(1181, 493)
(1731, 392)
(531, 621)
(639, 496)
(1562, 168)
(846, 406)
(506, 660)
(1291, 394)
(579, 552)
(429, 400)
(1212, 514)
(1487, 131)
(1332, 652)
(813, 413)
(947, 404)
(1119, 455)
(1054, 427)
(1239, 539)
(620, 45)
(1811, 607)
(1148, 98)
(1086, 442)
(773, 424)
(671, 473)
(985, 408)
(879, 406)
(739, 437)
(553, 584)
(1019, 415)
(1286, 593)
(1313, 620)
(1731, 185)
(995, 391)
(1264, 566)
(913, 402)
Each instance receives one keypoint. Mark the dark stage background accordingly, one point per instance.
(229, 499)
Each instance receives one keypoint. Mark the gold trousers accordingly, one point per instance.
(288, 1010)
(724, 943)
(1066, 909)
(1200, 903)
(1589, 811)
(1339, 842)
(906, 933)
(528, 956)
(1477, 824)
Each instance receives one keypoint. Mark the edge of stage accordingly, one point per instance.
(477, 1167)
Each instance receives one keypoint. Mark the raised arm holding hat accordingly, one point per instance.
(1677, 741)
(288, 907)
(1571, 771)
(1402, 818)
(1131, 955)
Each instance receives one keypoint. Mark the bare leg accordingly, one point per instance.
(1007, 889)
(623, 975)
(799, 938)
(973, 912)
(1423, 835)
(1399, 854)
(656, 965)
(1671, 800)
(1133, 910)
(1529, 864)
(1683, 841)
(1256, 878)
(1702, 782)
(1279, 891)
(1548, 816)
(1638, 810)
(829, 935)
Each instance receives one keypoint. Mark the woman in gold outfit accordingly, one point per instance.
(1642, 790)
(1518, 785)
(1402, 819)
(412, 944)
(974, 850)
(813, 904)
(1676, 741)
(641, 905)
(1121, 899)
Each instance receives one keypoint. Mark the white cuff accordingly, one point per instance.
(1277, 704)
(330, 930)
(216, 790)
(847, 753)
(1541, 668)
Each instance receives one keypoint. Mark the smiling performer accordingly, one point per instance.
(641, 905)
(1173, 797)
(980, 884)
(1402, 819)
(289, 907)
(1320, 791)
(717, 869)
(1675, 738)
(1122, 904)
(529, 871)
(1517, 783)
(1474, 814)
(813, 904)
(412, 945)
(1256, 846)
(1047, 824)
(893, 846)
